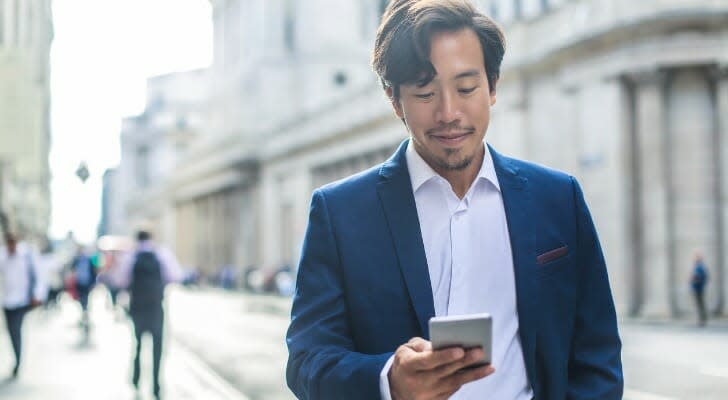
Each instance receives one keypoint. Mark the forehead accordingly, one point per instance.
(455, 52)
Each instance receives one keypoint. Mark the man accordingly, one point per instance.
(697, 281)
(145, 274)
(449, 226)
(23, 289)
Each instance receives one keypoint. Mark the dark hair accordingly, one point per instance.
(143, 235)
(402, 46)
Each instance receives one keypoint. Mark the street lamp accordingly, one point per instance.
(82, 172)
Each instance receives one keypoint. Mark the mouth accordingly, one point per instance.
(451, 138)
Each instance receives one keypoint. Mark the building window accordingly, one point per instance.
(142, 166)
(28, 21)
(2, 22)
(289, 25)
(15, 21)
(493, 9)
(517, 9)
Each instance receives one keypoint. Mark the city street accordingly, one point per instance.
(59, 364)
(229, 345)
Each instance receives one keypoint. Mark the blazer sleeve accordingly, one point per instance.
(322, 361)
(595, 366)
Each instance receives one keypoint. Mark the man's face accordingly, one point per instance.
(448, 117)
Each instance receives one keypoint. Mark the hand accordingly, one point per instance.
(418, 372)
(34, 303)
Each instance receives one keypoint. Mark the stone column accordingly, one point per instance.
(633, 248)
(720, 280)
(692, 171)
(270, 218)
(652, 189)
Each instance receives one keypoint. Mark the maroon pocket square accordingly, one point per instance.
(552, 255)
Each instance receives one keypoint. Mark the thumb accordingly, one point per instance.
(419, 345)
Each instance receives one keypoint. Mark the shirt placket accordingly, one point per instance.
(458, 258)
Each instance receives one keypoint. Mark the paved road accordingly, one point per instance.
(223, 345)
(675, 360)
(241, 337)
(662, 360)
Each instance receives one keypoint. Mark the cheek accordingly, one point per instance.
(417, 117)
(479, 111)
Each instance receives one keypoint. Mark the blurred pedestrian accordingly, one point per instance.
(698, 281)
(85, 274)
(53, 270)
(23, 289)
(227, 277)
(145, 273)
(106, 277)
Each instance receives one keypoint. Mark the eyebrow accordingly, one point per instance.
(467, 74)
(473, 73)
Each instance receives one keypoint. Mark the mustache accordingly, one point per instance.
(447, 128)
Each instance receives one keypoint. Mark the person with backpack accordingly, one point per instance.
(145, 274)
(23, 289)
(85, 272)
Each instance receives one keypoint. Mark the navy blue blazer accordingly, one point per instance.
(363, 286)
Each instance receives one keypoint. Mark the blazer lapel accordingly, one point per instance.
(398, 202)
(517, 203)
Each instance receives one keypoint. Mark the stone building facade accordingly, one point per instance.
(26, 33)
(629, 97)
(152, 145)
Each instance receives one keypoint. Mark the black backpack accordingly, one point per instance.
(146, 289)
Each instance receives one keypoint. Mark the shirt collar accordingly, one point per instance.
(420, 172)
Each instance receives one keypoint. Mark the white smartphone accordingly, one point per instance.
(466, 331)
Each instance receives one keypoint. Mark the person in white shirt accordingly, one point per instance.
(23, 289)
(449, 226)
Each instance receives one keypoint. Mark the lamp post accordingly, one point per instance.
(82, 172)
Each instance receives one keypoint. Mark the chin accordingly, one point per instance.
(454, 165)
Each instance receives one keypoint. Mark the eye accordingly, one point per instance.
(467, 90)
(424, 96)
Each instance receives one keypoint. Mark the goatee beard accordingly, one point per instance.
(458, 166)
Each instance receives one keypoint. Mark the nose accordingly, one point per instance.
(448, 109)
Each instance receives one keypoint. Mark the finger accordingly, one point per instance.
(471, 357)
(430, 360)
(470, 375)
(418, 344)
(452, 383)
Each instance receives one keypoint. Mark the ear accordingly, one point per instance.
(396, 105)
(492, 98)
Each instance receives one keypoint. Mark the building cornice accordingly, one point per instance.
(561, 38)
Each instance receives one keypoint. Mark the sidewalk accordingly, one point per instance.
(714, 324)
(57, 364)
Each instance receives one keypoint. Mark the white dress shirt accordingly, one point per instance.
(470, 263)
(15, 271)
